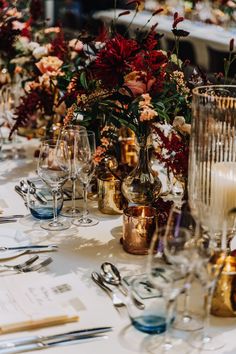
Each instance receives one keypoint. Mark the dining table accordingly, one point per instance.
(81, 251)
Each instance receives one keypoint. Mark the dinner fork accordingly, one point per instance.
(19, 266)
(37, 266)
(117, 302)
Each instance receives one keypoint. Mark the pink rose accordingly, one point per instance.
(76, 45)
(137, 82)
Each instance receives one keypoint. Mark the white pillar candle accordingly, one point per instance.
(223, 191)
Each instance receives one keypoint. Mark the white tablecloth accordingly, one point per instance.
(82, 250)
(201, 35)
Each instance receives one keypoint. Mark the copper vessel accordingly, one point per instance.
(139, 225)
(224, 297)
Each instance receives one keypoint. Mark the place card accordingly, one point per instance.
(34, 300)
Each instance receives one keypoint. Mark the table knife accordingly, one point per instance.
(5, 221)
(14, 216)
(30, 247)
(11, 343)
(48, 344)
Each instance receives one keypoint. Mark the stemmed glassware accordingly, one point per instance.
(212, 185)
(181, 216)
(211, 260)
(176, 244)
(70, 134)
(85, 150)
(53, 169)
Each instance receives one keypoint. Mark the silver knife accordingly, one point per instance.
(30, 247)
(10, 343)
(4, 221)
(48, 344)
(14, 216)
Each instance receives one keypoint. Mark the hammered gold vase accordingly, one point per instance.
(110, 198)
(224, 297)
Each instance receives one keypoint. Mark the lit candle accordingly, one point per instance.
(223, 190)
(138, 228)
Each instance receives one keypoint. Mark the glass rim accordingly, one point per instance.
(196, 90)
(128, 212)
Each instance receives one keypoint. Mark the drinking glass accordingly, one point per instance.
(85, 149)
(53, 169)
(70, 134)
(181, 216)
(212, 167)
(211, 260)
(212, 184)
(176, 243)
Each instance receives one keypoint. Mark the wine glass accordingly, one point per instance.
(176, 243)
(211, 260)
(85, 149)
(181, 216)
(53, 169)
(70, 134)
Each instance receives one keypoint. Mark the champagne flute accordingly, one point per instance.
(175, 242)
(85, 150)
(70, 134)
(53, 169)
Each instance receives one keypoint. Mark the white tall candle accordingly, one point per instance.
(223, 191)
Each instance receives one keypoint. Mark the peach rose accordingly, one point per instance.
(50, 65)
(76, 45)
(137, 82)
(52, 30)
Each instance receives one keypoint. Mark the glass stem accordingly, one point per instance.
(54, 194)
(187, 296)
(170, 306)
(85, 203)
(73, 195)
(207, 304)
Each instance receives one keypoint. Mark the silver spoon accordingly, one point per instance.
(111, 275)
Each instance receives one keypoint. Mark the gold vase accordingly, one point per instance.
(128, 147)
(110, 199)
(224, 297)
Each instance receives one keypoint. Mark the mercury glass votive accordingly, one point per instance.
(139, 225)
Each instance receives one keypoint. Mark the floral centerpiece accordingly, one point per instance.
(18, 21)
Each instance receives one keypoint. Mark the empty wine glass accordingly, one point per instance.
(175, 242)
(211, 260)
(180, 216)
(85, 149)
(70, 134)
(53, 169)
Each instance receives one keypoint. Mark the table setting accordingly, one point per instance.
(117, 185)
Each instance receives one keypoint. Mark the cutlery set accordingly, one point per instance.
(110, 275)
(25, 344)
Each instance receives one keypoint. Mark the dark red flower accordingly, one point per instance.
(36, 9)
(231, 45)
(59, 46)
(114, 60)
(176, 21)
(180, 32)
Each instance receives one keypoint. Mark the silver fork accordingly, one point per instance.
(19, 266)
(37, 266)
(117, 302)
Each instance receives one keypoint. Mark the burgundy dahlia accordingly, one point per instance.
(114, 61)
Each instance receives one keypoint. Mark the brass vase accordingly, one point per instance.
(224, 297)
(110, 198)
(142, 185)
